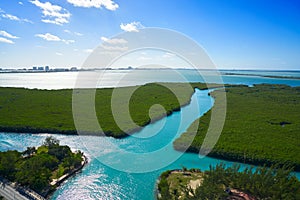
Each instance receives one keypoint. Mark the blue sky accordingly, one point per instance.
(237, 34)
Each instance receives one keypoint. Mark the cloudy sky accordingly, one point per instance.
(237, 34)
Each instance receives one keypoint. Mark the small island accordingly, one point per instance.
(39, 171)
(229, 183)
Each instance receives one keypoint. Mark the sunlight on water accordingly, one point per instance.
(60, 80)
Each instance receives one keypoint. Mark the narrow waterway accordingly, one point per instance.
(148, 153)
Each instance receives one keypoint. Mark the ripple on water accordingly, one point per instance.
(6, 145)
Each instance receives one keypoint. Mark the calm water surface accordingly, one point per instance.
(100, 181)
(61, 80)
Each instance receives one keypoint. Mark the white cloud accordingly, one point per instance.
(53, 14)
(57, 21)
(14, 18)
(114, 45)
(20, 2)
(144, 58)
(114, 40)
(78, 34)
(131, 27)
(4, 40)
(8, 35)
(68, 41)
(108, 4)
(27, 20)
(10, 17)
(75, 33)
(168, 55)
(114, 48)
(48, 37)
(40, 46)
(54, 38)
(88, 50)
(59, 54)
(67, 31)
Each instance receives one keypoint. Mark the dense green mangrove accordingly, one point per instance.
(262, 126)
(50, 111)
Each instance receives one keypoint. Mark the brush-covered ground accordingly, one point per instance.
(262, 126)
(50, 111)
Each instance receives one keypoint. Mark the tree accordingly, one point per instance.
(60, 152)
(261, 183)
(51, 141)
(163, 188)
(8, 162)
(29, 151)
(34, 173)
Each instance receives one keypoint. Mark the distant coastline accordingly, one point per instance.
(265, 76)
(225, 72)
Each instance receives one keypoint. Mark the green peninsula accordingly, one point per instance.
(262, 126)
(50, 111)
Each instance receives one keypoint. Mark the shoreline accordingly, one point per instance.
(237, 156)
(264, 76)
(230, 182)
(193, 179)
(58, 182)
(248, 161)
(25, 123)
(227, 156)
(27, 193)
(32, 130)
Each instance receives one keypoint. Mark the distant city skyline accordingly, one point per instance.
(237, 34)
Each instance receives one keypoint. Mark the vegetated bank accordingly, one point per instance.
(262, 126)
(260, 75)
(50, 111)
(220, 182)
(40, 169)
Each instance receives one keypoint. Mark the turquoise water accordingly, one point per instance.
(100, 179)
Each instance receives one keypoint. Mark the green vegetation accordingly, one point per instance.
(231, 183)
(44, 111)
(173, 184)
(266, 76)
(163, 186)
(262, 126)
(35, 168)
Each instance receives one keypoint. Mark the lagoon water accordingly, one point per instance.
(61, 80)
(99, 179)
